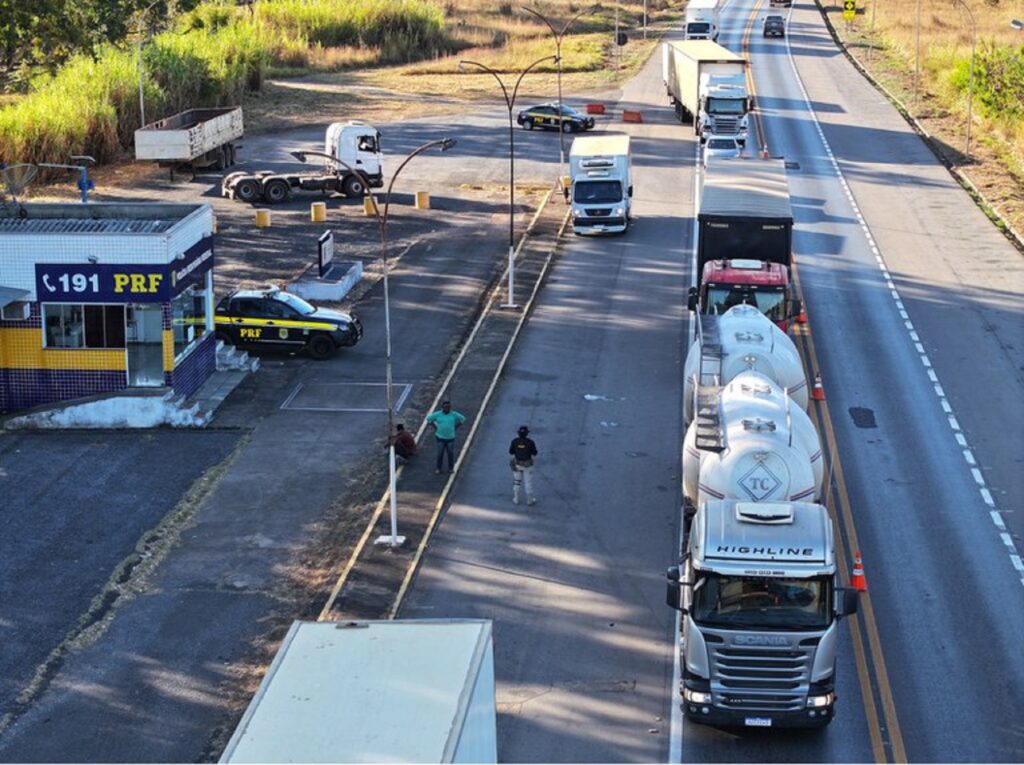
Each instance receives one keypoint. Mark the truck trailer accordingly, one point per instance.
(192, 140)
(374, 691)
(600, 183)
(759, 593)
(701, 20)
(706, 83)
(355, 144)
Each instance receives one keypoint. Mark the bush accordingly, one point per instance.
(998, 81)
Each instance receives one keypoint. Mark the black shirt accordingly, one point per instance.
(523, 449)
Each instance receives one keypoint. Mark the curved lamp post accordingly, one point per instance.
(394, 540)
(510, 102)
(558, 35)
(970, 77)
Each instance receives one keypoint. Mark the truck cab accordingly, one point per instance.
(358, 145)
(761, 602)
(600, 184)
(724, 106)
(765, 285)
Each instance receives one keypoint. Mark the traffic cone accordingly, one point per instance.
(857, 580)
(764, 151)
(818, 391)
(801, 318)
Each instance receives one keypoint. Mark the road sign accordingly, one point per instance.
(849, 9)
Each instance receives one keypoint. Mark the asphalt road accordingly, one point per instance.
(575, 584)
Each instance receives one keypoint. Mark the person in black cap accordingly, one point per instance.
(523, 450)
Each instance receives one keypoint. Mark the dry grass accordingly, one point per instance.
(996, 165)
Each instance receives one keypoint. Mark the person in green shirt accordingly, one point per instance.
(445, 421)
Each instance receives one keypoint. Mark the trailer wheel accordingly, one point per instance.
(320, 347)
(353, 186)
(276, 190)
(247, 190)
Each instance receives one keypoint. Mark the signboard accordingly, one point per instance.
(325, 252)
(123, 282)
(849, 9)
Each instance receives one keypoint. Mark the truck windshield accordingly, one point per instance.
(598, 192)
(770, 302)
(727, 106)
(700, 28)
(296, 303)
(755, 602)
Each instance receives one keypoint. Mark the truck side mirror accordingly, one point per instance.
(691, 300)
(673, 591)
(796, 308)
(630, 191)
(847, 600)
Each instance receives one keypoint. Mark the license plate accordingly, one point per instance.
(758, 722)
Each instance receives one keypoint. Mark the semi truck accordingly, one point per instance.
(745, 240)
(601, 184)
(741, 339)
(706, 83)
(192, 140)
(355, 144)
(760, 602)
(375, 691)
(701, 20)
(749, 442)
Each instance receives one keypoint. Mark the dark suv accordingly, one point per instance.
(274, 320)
(774, 26)
(547, 116)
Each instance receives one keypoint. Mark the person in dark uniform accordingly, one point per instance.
(523, 450)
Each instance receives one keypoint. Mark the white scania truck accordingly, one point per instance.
(760, 601)
(600, 183)
(706, 83)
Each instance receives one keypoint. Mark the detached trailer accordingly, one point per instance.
(192, 140)
(381, 691)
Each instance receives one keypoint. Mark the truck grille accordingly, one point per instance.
(725, 126)
(763, 678)
(597, 212)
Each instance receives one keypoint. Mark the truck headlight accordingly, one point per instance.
(816, 702)
(618, 212)
(696, 697)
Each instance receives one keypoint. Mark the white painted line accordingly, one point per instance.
(944, 403)
(997, 519)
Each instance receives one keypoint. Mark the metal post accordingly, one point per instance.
(970, 77)
(645, 19)
(917, 55)
(142, 98)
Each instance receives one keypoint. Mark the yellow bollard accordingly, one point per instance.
(318, 212)
(262, 218)
(368, 205)
(422, 200)
(566, 182)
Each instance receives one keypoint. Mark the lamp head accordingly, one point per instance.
(1017, 24)
(447, 143)
(299, 155)
(462, 66)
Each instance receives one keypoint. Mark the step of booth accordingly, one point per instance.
(229, 357)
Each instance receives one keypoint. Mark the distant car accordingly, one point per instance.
(774, 26)
(270, 319)
(720, 146)
(780, 3)
(548, 116)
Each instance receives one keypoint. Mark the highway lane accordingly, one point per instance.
(943, 588)
(576, 584)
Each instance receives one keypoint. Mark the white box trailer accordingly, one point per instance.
(377, 691)
(706, 83)
(195, 138)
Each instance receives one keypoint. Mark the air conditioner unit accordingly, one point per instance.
(16, 311)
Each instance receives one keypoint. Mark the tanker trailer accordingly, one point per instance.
(751, 444)
(741, 339)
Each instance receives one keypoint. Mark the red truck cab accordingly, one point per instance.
(759, 283)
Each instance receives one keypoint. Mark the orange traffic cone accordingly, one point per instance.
(764, 152)
(801, 318)
(818, 392)
(857, 580)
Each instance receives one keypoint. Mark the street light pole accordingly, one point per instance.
(917, 53)
(970, 76)
(142, 29)
(393, 540)
(510, 102)
(558, 34)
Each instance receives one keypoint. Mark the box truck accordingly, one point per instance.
(706, 83)
(374, 691)
(701, 20)
(600, 183)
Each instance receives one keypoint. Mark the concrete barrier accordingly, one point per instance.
(318, 212)
(631, 116)
(595, 108)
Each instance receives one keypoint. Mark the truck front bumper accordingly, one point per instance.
(708, 714)
(609, 225)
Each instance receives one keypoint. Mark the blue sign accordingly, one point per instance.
(122, 283)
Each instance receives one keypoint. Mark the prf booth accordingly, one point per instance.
(97, 298)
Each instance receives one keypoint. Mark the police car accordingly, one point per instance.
(270, 319)
(548, 116)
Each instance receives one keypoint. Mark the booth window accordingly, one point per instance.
(188, 317)
(70, 325)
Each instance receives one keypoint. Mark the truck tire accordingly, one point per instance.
(353, 186)
(247, 190)
(276, 190)
(320, 347)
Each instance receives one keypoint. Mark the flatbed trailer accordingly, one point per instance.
(193, 139)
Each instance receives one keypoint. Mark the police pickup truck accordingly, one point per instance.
(270, 319)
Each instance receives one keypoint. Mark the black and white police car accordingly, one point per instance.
(548, 116)
(270, 319)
